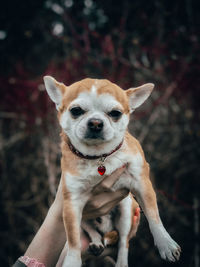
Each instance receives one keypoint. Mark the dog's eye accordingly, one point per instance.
(76, 111)
(115, 114)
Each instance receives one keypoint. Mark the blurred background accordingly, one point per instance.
(129, 43)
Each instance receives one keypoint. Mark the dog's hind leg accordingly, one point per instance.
(126, 225)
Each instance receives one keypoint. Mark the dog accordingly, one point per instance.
(124, 218)
(94, 115)
(103, 233)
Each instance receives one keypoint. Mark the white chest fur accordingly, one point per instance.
(89, 175)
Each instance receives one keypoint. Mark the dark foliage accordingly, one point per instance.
(128, 42)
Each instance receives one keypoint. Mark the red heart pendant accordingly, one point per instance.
(101, 170)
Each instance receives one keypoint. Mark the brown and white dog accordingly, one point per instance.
(94, 115)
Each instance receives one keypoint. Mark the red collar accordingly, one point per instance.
(79, 154)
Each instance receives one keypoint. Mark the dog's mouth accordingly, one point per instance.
(92, 139)
(94, 136)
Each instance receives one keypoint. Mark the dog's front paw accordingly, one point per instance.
(169, 249)
(96, 248)
(72, 261)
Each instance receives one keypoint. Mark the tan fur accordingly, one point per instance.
(142, 188)
(69, 159)
(106, 87)
(111, 237)
(68, 165)
(134, 145)
(149, 195)
(103, 87)
(72, 231)
(72, 91)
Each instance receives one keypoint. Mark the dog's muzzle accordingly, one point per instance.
(94, 129)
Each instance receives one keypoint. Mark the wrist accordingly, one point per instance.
(30, 262)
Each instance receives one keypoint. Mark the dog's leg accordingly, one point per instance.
(123, 225)
(96, 246)
(146, 197)
(72, 215)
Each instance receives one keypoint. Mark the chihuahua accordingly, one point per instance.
(94, 115)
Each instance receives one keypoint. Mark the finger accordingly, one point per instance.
(103, 203)
(107, 183)
(136, 216)
(119, 194)
(116, 197)
(96, 202)
(111, 179)
(104, 198)
(84, 241)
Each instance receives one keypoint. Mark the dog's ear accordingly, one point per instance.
(138, 95)
(55, 90)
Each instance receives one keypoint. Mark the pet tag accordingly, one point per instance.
(101, 170)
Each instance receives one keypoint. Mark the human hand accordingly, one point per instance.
(103, 198)
(52, 230)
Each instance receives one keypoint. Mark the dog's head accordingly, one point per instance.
(95, 113)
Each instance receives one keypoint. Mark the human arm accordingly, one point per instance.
(50, 238)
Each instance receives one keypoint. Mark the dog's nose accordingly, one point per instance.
(95, 125)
